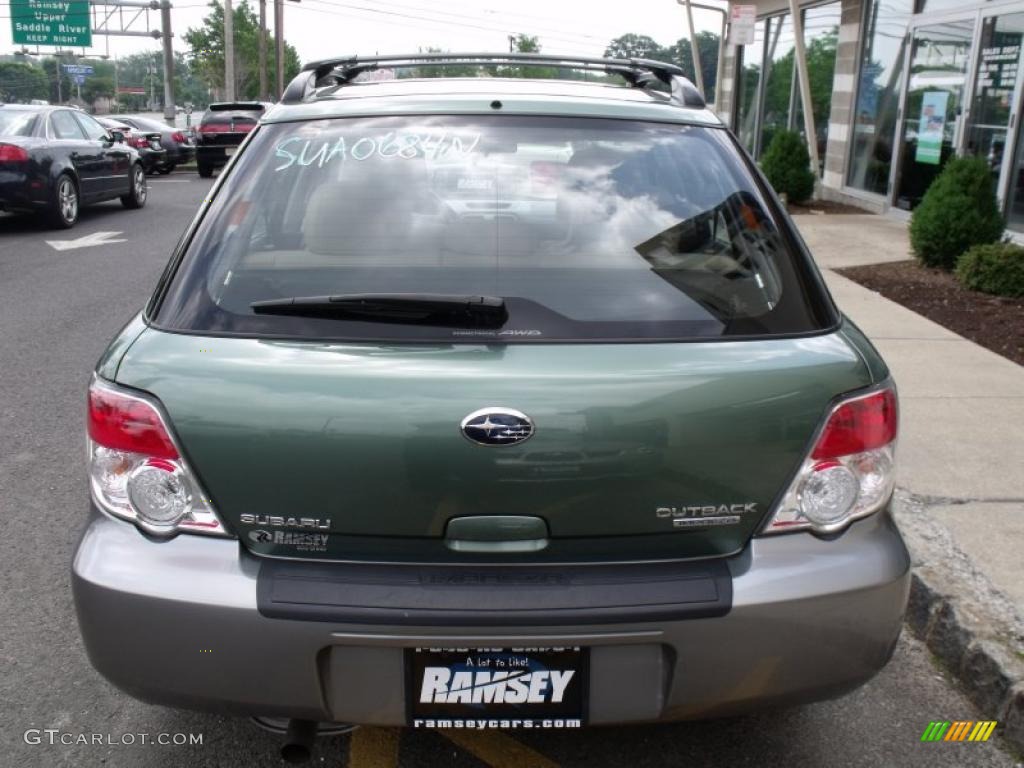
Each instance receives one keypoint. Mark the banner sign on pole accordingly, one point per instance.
(931, 127)
(742, 19)
(77, 69)
(51, 22)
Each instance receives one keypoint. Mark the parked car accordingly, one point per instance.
(223, 128)
(147, 143)
(178, 143)
(54, 160)
(451, 409)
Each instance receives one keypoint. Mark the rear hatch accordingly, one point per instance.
(362, 442)
(671, 347)
(224, 125)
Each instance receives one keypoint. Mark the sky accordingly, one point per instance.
(324, 28)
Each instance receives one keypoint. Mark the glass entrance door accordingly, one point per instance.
(995, 83)
(939, 62)
(994, 108)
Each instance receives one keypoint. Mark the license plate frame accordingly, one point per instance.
(520, 664)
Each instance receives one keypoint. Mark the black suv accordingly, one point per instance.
(223, 127)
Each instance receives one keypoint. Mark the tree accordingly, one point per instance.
(527, 44)
(21, 82)
(821, 65)
(633, 46)
(97, 88)
(207, 46)
(60, 85)
(707, 51)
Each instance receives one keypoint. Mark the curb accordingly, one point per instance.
(970, 626)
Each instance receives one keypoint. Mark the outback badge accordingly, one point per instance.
(705, 516)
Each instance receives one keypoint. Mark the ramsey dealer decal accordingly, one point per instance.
(303, 542)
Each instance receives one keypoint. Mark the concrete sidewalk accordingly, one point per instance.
(961, 467)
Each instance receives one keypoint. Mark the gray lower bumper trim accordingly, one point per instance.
(418, 595)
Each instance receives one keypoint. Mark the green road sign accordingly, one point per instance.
(51, 22)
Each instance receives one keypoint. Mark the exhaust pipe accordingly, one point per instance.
(298, 741)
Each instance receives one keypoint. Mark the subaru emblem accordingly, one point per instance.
(497, 426)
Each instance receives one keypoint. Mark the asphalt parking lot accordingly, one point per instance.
(62, 296)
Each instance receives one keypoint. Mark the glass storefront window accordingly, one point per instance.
(878, 94)
(750, 80)
(821, 37)
(779, 78)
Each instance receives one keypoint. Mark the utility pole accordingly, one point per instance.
(279, 45)
(263, 50)
(165, 21)
(229, 51)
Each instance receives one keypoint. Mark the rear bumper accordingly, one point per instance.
(177, 623)
(20, 192)
(214, 155)
(152, 157)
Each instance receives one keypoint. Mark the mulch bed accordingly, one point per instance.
(820, 207)
(994, 322)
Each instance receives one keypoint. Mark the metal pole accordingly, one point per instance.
(165, 21)
(229, 51)
(693, 48)
(719, 69)
(263, 50)
(279, 45)
(805, 85)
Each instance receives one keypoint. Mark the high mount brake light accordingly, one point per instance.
(849, 472)
(136, 471)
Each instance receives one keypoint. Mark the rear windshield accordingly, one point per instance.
(587, 229)
(17, 123)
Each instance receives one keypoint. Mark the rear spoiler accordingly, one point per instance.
(238, 106)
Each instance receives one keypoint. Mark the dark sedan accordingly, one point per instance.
(224, 126)
(178, 143)
(151, 151)
(54, 160)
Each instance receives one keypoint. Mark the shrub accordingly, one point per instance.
(958, 211)
(788, 166)
(996, 268)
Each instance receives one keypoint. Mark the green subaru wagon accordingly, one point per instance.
(505, 401)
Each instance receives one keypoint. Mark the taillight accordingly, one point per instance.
(135, 469)
(850, 471)
(11, 153)
(214, 128)
(178, 136)
(139, 142)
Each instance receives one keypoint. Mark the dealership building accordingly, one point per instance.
(896, 88)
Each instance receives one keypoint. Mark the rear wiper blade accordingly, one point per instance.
(408, 308)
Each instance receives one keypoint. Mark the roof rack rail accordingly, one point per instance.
(639, 73)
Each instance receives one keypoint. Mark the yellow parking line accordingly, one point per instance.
(497, 750)
(373, 748)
